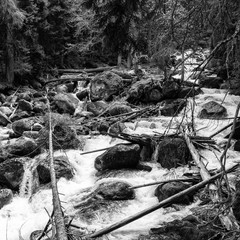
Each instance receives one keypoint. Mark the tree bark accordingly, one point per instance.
(61, 233)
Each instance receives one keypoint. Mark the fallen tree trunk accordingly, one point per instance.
(61, 233)
(159, 205)
(89, 70)
(228, 220)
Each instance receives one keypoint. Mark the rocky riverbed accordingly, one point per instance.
(97, 188)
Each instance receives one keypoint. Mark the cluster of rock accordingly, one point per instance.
(24, 137)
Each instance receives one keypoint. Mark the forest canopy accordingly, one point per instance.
(40, 36)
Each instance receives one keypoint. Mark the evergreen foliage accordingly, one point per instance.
(39, 36)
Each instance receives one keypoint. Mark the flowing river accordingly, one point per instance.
(27, 212)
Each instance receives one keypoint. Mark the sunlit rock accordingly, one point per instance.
(6, 197)
(118, 157)
(105, 85)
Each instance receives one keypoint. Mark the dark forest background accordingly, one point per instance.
(40, 36)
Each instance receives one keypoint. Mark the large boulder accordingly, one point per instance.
(105, 85)
(118, 157)
(114, 190)
(6, 196)
(11, 172)
(145, 90)
(172, 152)
(62, 167)
(169, 189)
(19, 147)
(212, 110)
(27, 124)
(172, 107)
(65, 102)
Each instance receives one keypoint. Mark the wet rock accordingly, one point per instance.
(213, 110)
(62, 167)
(97, 107)
(172, 107)
(27, 124)
(145, 90)
(11, 172)
(25, 105)
(105, 85)
(114, 190)
(18, 147)
(6, 197)
(118, 157)
(169, 189)
(170, 89)
(119, 108)
(187, 92)
(172, 152)
(65, 102)
(4, 120)
(82, 94)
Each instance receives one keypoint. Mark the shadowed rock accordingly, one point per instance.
(119, 156)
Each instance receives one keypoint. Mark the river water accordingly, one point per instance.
(28, 213)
